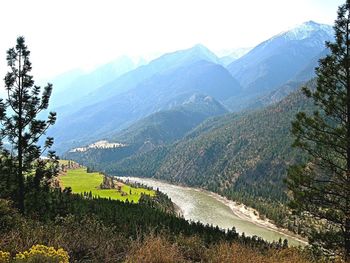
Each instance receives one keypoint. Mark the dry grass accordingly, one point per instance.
(158, 249)
(236, 253)
(154, 249)
(86, 240)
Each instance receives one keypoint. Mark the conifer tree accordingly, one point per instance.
(322, 185)
(20, 126)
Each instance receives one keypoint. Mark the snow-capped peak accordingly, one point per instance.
(305, 30)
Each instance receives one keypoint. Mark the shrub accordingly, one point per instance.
(4, 257)
(9, 217)
(41, 253)
(83, 238)
(193, 248)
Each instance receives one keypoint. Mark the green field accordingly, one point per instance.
(80, 181)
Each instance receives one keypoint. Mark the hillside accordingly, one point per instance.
(160, 128)
(275, 95)
(164, 127)
(247, 153)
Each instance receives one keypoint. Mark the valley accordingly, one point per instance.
(209, 208)
(189, 119)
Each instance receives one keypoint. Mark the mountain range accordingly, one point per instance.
(162, 84)
(120, 93)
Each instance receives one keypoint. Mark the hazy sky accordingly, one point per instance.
(66, 34)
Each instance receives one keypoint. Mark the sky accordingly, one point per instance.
(68, 34)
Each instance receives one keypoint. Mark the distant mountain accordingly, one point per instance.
(159, 128)
(308, 72)
(64, 80)
(132, 79)
(71, 86)
(160, 85)
(275, 95)
(278, 60)
(232, 55)
(297, 81)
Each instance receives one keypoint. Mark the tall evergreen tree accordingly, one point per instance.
(322, 185)
(20, 126)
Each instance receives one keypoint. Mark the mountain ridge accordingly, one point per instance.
(277, 60)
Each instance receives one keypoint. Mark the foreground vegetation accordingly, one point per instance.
(80, 181)
(101, 230)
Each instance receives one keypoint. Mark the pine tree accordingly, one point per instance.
(322, 185)
(19, 114)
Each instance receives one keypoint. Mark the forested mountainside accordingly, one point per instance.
(160, 128)
(246, 152)
(242, 156)
(167, 126)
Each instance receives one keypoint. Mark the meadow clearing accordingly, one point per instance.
(80, 181)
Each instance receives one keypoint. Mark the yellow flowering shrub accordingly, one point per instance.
(41, 253)
(4, 257)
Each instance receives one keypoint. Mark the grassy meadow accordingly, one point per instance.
(80, 181)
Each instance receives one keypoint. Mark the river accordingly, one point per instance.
(210, 208)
